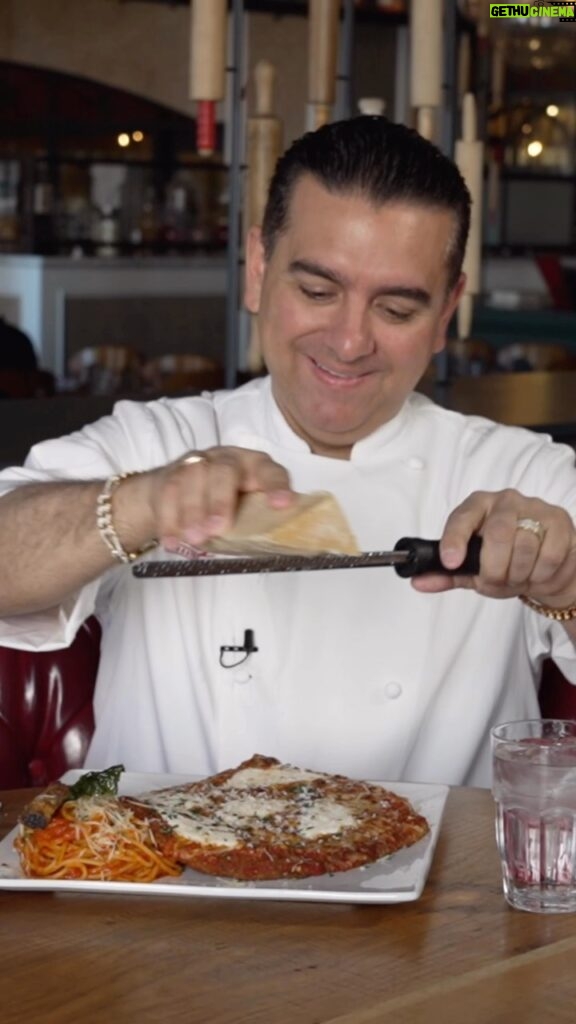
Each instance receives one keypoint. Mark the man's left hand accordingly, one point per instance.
(528, 547)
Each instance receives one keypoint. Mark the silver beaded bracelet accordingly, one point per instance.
(105, 522)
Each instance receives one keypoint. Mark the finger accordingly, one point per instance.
(508, 554)
(538, 537)
(236, 471)
(526, 552)
(556, 551)
(462, 523)
(208, 495)
(171, 489)
(561, 584)
(261, 473)
(228, 473)
(176, 546)
(435, 584)
(223, 488)
(186, 494)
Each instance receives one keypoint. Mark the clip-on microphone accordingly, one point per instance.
(248, 648)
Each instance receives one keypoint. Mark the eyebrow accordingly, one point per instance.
(418, 295)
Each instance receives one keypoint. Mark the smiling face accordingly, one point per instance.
(352, 305)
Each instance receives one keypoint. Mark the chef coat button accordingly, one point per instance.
(243, 676)
(392, 690)
(415, 462)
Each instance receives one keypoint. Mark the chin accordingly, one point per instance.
(335, 434)
(356, 421)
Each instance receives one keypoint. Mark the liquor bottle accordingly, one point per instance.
(180, 211)
(9, 218)
(106, 233)
(44, 241)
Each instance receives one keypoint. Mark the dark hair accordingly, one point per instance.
(382, 161)
(16, 349)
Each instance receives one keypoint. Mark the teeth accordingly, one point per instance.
(343, 376)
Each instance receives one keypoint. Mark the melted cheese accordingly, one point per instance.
(250, 778)
(245, 807)
(324, 818)
(199, 818)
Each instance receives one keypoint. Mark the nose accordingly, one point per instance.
(351, 336)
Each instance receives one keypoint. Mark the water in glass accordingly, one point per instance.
(535, 791)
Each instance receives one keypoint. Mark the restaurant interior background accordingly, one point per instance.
(116, 245)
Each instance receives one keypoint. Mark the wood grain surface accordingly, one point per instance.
(459, 954)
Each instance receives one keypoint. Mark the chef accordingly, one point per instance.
(354, 277)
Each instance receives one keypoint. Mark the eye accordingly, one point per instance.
(316, 294)
(397, 316)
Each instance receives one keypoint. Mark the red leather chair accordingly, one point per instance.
(557, 695)
(46, 716)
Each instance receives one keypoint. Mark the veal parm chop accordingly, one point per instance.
(267, 820)
(261, 820)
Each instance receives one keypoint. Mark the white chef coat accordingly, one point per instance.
(355, 671)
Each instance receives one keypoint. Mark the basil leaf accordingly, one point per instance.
(97, 783)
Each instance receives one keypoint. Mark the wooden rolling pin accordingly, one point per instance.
(426, 58)
(208, 45)
(264, 146)
(323, 22)
(470, 159)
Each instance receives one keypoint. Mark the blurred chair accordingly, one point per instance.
(557, 695)
(46, 716)
(534, 355)
(184, 371)
(106, 369)
(26, 383)
(557, 278)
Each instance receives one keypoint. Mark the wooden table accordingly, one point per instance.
(542, 400)
(459, 955)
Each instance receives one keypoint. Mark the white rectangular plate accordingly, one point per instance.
(395, 879)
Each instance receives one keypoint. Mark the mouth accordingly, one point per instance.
(337, 378)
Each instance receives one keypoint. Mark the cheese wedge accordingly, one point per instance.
(314, 524)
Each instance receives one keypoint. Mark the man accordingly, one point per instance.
(354, 277)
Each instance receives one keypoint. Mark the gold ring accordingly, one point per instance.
(532, 526)
(193, 459)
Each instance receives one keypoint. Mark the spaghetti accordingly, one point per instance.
(97, 838)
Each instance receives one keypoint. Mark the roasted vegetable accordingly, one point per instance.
(43, 807)
(97, 783)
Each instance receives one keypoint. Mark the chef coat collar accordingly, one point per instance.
(278, 429)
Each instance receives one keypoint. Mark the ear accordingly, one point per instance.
(254, 272)
(452, 301)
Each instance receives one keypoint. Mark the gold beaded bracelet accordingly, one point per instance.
(558, 614)
(105, 522)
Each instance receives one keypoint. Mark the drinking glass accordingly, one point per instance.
(534, 786)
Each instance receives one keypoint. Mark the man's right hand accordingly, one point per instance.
(191, 501)
(50, 545)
